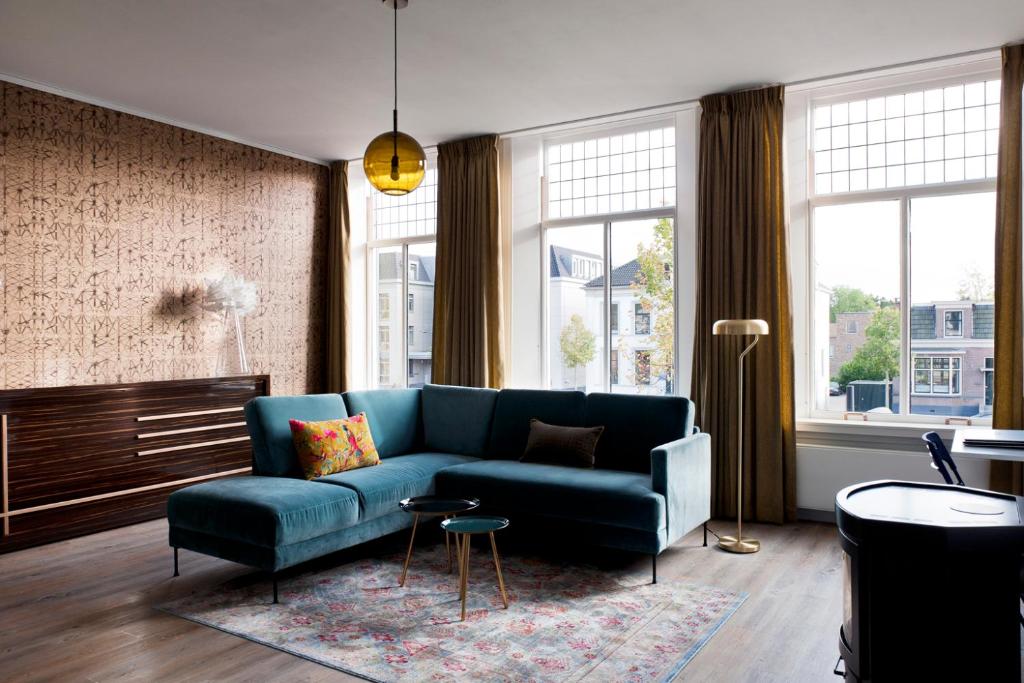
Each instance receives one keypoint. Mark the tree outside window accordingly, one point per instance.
(578, 345)
(642, 363)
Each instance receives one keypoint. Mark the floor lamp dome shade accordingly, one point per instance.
(740, 327)
(394, 163)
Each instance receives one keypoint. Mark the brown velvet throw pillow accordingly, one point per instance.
(558, 445)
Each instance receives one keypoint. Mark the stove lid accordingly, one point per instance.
(929, 504)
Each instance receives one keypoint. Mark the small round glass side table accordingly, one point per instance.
(465, 527)
(433, 506)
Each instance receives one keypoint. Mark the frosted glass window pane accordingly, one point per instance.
(894, 153)
(914, 127)
(914, 151)
(410, 215)
(974, 144)
(913, 103)
(974, 168)
(858, 134)
(858, 180)
(840, 114)
(894, 106)
(915, 174)
(858, 157)
(840, 137)
(858, 111)
(954, 121)
(974, 94)
(876, 109)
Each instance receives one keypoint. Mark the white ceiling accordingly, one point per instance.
(313, 77)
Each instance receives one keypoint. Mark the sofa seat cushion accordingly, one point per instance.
(380, 488)
(264, 511)
(623, 499)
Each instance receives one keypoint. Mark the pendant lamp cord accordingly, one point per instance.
(396, 55)
(394, 136)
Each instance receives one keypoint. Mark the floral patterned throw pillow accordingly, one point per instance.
(333, 445)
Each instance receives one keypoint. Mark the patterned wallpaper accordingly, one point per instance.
(111, 224)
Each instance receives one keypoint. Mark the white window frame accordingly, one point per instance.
(931, 374)
(372, 245)
(946, 312)
(982, 69)
(606, 220)
(987, 376)
(851, 327)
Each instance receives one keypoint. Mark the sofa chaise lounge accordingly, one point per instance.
(649, 487)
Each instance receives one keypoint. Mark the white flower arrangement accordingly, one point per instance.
(230, 292)
(233, 295)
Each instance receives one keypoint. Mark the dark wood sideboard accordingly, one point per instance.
(75, 460)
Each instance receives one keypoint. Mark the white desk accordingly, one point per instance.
(988, 452)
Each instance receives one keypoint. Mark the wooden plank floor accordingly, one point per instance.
(82, 610)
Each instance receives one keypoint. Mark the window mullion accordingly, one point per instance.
(607, 371)
(906, 357)
(404, 306)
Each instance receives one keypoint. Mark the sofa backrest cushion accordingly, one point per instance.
(457, 419)
(395, 418)
(633, 425)
(273, 452)
(516, 407)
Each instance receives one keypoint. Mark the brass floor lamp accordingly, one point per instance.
(738, 544)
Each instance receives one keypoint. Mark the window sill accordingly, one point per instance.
(858, 435)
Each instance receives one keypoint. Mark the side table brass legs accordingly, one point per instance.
(408, 554)
(464, 570)
(497, 568)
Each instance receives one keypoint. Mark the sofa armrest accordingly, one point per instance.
(681, 471)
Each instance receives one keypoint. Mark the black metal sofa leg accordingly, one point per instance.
(705, 534)
(274, 578)
(176, 562)
(654, 568)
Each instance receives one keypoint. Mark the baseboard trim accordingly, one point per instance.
(812, 515)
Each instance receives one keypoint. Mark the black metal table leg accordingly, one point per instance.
(705, 534)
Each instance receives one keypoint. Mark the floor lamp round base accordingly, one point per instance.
(743, 545)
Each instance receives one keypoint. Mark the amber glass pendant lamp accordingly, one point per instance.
(394, 162)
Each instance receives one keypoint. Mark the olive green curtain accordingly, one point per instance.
(743, 272)
(338, 289)
(468, 319)
(1008, 401)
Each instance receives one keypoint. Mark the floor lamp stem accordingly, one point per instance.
(739, 545)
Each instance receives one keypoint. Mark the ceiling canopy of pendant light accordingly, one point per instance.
(394, 162)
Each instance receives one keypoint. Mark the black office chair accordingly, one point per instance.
(940, 460)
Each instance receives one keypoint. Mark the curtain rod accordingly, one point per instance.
(806, 81)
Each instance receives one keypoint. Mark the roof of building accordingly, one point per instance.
(922, 322)
(387, 266)
(984, 321)
(561, 260)
(623, 276)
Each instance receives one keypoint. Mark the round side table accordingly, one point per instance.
(465, 527)
(433, 506)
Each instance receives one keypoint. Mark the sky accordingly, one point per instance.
(858, 245)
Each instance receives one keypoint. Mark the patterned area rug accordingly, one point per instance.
(564, 622)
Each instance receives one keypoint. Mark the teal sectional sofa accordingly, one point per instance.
(650, 485)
